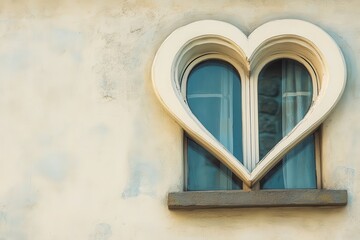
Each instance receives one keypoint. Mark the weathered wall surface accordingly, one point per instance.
(87, 152)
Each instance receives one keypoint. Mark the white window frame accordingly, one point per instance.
(293, 38)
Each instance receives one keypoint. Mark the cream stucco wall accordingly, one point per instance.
(87, 152)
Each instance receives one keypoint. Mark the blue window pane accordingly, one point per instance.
(284, 97)
(214, 96)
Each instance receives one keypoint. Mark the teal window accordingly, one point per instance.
(214, 93)
(285, 93)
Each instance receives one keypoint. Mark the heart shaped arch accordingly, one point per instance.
(295, 37)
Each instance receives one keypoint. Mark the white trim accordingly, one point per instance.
(295, 36)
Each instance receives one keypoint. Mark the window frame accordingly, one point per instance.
(287, 36)
(249, 95)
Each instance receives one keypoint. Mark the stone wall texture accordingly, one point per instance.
(86, 150)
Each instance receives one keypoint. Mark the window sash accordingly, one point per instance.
(249, 106)
(220, 97)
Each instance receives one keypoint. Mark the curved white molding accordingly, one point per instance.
(208, 36)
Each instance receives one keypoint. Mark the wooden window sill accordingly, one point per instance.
(263, 198)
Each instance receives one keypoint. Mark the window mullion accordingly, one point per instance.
(254, 121)
(247, 122)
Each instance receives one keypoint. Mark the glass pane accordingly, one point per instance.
(214, 96)
(284, 97)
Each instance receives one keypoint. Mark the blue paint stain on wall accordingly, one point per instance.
(15, 61)
(64, 40)
(100, 130)
(142, 180)
(102, 232)
(2, 218)
(54, 166)
(20, 55)
(144, 173)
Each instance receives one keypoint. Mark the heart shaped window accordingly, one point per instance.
(250, 106)
(218, 98)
